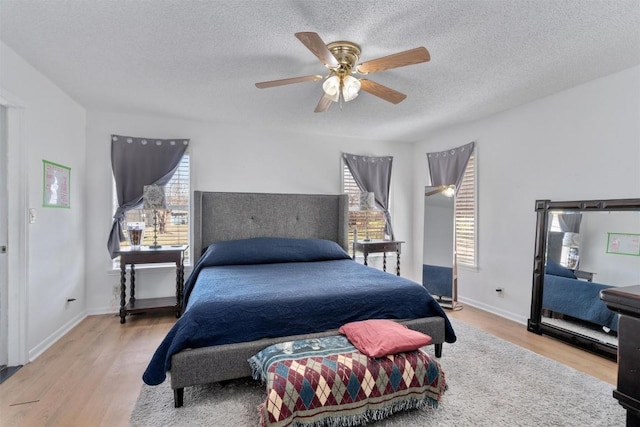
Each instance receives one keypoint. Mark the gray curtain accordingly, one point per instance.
(373, 174)
(570, 223)
(447, 167)
(137, 162)
(554, 246)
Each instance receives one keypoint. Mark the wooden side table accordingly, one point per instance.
(626, 301)
(377, 246)
(586, 275)
(145, 255)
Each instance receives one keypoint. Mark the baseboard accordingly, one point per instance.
(494, 310)
(7, 371)
(103, 310)
(51, 339)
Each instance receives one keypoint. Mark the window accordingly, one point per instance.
(359, 219)
(172, 223)
(555, 223)
(465, 216)
(565, 248)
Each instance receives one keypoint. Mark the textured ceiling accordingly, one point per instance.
(200, 59)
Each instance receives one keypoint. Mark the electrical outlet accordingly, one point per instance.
(116, 290)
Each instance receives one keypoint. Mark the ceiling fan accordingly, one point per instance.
(341, 58)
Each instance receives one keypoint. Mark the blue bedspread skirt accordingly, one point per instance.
(438, 280)
(239, 303)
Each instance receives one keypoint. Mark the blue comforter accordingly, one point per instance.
(579, 299)
(247, 301)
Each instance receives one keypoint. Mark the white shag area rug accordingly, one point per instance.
(491, 383)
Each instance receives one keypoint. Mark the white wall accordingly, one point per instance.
(609, 268)
(223, 158)
(582, 143)
(52, 125)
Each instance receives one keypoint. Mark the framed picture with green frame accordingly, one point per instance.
(623, 244)
(56, 185)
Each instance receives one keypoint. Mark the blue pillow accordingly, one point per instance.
(270, 250)
(556, 269)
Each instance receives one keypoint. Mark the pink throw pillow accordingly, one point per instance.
(379, 337)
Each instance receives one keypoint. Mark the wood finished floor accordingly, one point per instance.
(92, 376)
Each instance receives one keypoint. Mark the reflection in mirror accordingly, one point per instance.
(578, 267)
(574, 247)
(438, 266)
(563, 241)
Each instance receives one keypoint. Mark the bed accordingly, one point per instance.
(565, 294)
(268, 269)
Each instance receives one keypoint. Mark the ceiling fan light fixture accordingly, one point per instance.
(350, 88)
(331, 88)
(449, 191)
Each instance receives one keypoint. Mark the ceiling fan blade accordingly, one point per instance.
(438, 189)
(324, 104)
(281, 82)
(381, 91)
(314, 43)
(401, 59)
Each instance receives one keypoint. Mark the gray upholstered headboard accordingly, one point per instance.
(220, 216)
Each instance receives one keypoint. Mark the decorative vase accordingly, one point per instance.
(135, 232)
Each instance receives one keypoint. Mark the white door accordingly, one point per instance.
(4, 318)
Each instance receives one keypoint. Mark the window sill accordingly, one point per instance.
(467, 267)
(150, 267)
(374, 255)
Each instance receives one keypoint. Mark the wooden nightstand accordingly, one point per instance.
(145, 255)
(377, 246)
(585, 275)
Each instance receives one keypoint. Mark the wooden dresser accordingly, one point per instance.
(626, 301)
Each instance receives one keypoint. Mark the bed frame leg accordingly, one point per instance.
(438, 350)
(178, 397)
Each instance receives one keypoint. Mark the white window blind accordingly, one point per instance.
(465, 216)
(359, 219)
(173, 222)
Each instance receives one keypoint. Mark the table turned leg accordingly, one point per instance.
(181, 288)
(123, 293)
(397, 263)
(132, 298)
(384, 261)
(178, 290)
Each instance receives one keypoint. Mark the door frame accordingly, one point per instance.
(17, 230)
(4, 305)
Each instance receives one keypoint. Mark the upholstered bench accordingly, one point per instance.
(327, 380)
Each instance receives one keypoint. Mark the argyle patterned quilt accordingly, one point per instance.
(327, 381)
